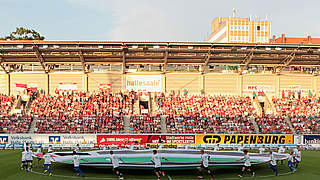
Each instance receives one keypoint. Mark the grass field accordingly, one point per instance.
(10, 163)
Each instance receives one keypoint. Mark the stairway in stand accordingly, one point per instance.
(163, 124)
(126, 124)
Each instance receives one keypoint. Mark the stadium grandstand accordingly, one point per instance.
(159, 87)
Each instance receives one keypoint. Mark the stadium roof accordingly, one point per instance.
(199, 53)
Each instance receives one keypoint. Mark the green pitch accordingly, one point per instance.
(10, 163)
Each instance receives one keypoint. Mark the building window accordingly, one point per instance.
(258, 28)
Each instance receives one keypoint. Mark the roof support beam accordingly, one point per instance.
(83, 62)
(40, 57)
(2, 66)
(246, 61)
(286, 61)
(206, 61)
(165, 61)
(124, 51)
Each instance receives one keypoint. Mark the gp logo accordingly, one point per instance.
(215, 139)
(54, 139)
(4, 139)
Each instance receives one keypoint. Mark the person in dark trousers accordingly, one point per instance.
(205, 165)
(247, 164)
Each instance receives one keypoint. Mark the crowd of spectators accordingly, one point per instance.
(303, 112)
(145, 124)
(306, 125)
(73, 103)
(206, 114)
(79, 124)
(273, 125)
(6, 103)
(188, 105)
(103, 112)
(209, 124)
(72, 111)
(15, 123)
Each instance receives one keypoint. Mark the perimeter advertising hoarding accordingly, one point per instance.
(144, 139)
(48, 139)
(243, 138)
(148, 83)
(312, 139)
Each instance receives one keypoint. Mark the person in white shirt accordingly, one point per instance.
(205, 158)
(77, 148)
(291, 162)
(281, 150)
(262, 149)
(23, 160)
(26, 145)
(29, 158)
(156, 160)
(216, 148)
(39, 151)
(247, 164)
(273, 163)
(50, 150)
(47, 163)
(115, 164)
(76, 163)
(297, 156)
(240, 148)
(104, 148)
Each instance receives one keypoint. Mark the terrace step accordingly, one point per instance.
(163, 123)
(255, 125)
(33, 125)
(127, 124)
(290, 125)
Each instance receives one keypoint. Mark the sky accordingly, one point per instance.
(151, 20)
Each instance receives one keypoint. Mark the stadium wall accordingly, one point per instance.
(194, 83)
(4, 83)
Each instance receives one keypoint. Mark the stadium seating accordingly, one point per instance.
(145, 124)
(206, 124)
(16, 123)
(204, 105)
(206, 114)
(303, 113)
(273, 125)
(306, 125)
(5, 104)
(103, 112)
(79, 124)
(71, 111)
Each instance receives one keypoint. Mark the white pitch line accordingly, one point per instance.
(169, 177)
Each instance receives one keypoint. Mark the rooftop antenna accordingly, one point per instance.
(234, 11)
(266, 17)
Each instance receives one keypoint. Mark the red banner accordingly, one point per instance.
(120, 139)
(21, 85)
(143, 139)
